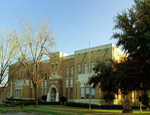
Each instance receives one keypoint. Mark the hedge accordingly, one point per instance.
(86, 105)
(27, 103)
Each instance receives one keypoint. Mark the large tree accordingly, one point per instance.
(133, 35)
(104, 77)
(8, 52)
(33, 44)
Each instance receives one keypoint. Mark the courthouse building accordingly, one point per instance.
(67, 76)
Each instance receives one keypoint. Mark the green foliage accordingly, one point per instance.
(86, 105)
(17, 102)
(63, 100)
(133, 35)
(44, 97)
(83, 105)
(145, 99)
(109, 97)
(127, 101)
(104, 77)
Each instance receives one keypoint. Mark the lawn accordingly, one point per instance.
(64, 110)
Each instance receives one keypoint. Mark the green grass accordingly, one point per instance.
(45, 112)
(64, 110)
(9, 110)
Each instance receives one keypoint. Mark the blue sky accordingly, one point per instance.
(74, 22)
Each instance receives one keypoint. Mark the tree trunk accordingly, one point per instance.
(36, 96)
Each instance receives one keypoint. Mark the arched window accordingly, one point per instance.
(85, 68)
(79, 69)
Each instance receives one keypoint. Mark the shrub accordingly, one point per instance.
(63, 100)
(83, 105)
(145, 99)
(44, 97)
(86, 105)
(109, 97)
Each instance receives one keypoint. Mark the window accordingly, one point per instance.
(66, 92)
(71, 72)
(18, 92)
(87, 92)
(45, 91)
(45, 75)
(30, 92)
(67, 73)
(92, 66)
(21, 92)
(82, 92)
(93, 93)
(71, 93)
(55, 72)
(67, 82)
(52, 66)
(56, 66)
(42, 74)
(85, 68)
(71, 82)
(79, 69)
(41, 91)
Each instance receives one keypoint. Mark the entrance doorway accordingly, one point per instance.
(53, 95)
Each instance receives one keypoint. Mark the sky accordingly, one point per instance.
(74, 22)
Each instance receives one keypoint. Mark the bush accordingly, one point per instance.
(83, 105)
(86, 105)
(109, 97)
(145, 99)
(44, 97)
(63, 100)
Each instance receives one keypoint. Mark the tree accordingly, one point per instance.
(104, 77)
(44, 97)
(33, 44)
(109, 97)
(133, 35)
(63, 100)
(8, 52)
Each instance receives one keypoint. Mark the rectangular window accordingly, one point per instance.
(71, 82)
(21, 92)
(16, 93)
(45, 75)
(92, 67)
(93, 93)
(82, 93)
(45, 91)
(52, 66)
(66, 82)
(41, 91)
(67, 73)
(71, 72)
(67, 93)
(71, 93)
(79, 69)
(45, 83)
(85, 68)
(87, 92)
(30, 92)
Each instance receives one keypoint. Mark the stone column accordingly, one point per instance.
(11, 94)
(57, 96)
(48, 97)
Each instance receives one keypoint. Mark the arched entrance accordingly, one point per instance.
(53, 94)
